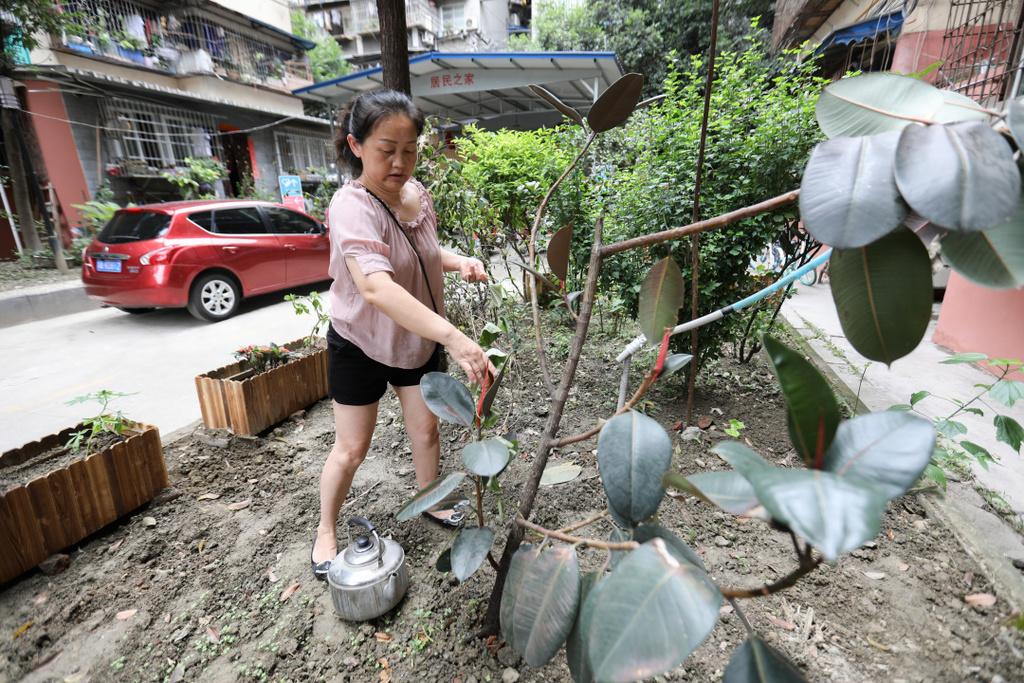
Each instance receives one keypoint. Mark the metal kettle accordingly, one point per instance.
(368, 577)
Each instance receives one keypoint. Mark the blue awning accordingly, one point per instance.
(848, 35)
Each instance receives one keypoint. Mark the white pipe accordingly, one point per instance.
(10, 219)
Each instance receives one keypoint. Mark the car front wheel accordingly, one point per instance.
(214, 297)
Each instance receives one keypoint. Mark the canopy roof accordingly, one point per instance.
(462, 85)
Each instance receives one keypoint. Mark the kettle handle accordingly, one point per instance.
(368, 525)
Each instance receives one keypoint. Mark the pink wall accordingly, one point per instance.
(57, 144)
(915, 51)
(975, 318)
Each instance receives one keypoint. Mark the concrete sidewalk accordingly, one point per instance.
(41, 302)
(990, 539)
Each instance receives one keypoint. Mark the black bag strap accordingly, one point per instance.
(412, 246)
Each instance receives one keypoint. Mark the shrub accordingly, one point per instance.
(756, 148)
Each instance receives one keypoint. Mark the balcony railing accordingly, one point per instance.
(181, 42)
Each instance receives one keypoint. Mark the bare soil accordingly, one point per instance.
(219, 589)
(12, 475)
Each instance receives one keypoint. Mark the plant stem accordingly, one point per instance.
(983, 392)
(479, 502)
(715, 223)
(532, 248)
(578, 540)
(547, 439)
(742, 616)
(628, 405)
(806, 567)
(589, 520)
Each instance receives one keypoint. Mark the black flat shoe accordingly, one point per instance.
(320, 569)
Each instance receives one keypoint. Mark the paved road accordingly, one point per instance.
(155, 356)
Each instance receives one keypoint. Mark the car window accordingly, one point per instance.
(285, 221)
(134, 226)
(243, 221)
(204, 219)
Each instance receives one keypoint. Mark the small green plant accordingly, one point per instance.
(263, 358)
(104, 422)
(951, 451)
(734, 428)
(196, 176)
(313, 304)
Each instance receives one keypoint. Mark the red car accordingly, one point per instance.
(204, 255)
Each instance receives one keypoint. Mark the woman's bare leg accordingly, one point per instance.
(353, 429)
(421, 426)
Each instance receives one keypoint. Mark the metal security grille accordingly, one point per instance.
(145, 139)
(299, 154)
(981, 49)
(178, 40)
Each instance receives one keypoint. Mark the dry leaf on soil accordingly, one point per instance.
(289, 591)
(126, 614)
(272, 576)
(213, 633)
(782, 623)
(980, 599)
(209, 496)
(877, 576)
(382, 637)
(40, 599)
(240, 505)
(20, 631)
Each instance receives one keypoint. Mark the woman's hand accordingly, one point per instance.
(470, 357)
(472, 270)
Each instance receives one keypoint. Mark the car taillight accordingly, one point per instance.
(157, 256)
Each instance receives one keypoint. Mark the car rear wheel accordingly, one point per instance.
(214, 297)
(134, 311)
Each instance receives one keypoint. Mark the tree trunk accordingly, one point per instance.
(394, 47)
(19, 185)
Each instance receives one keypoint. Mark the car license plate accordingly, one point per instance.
(105, 266)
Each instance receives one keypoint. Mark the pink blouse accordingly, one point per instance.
(362, 229)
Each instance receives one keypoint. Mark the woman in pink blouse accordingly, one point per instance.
(387, 308)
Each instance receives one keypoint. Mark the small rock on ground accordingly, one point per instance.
(509, 675)
(691, 434)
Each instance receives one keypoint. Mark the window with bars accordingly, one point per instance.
(145, 138)
(175, 40)
(981, 49)
(302, 154)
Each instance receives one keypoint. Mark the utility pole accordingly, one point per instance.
(16, 165)
(394, 46)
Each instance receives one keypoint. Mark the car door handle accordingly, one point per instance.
(230, 250)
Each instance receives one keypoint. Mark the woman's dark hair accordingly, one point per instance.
(363, 113)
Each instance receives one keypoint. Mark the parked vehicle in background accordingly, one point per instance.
(204, 255)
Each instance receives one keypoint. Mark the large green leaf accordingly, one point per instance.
(959, 107)
(1007, 392)
(740, 457)
(888, 449)
(616, 103)
(553, 99)
(576, 645)
(727, 489)
(558, 252)
(648, 616)
(470, 550)
(993, 258)
(883, 295)
(872, 103)
(675, 362)
(633, 452)
(448, 398)
(1008, 431)
(812, 412)
(961, 176)
(757, 662)
(848, 195)
(429, 496)
(675, 545)
(661, 295)
(539, 601)
(486, 458)
(1015, 119)
(835, 514)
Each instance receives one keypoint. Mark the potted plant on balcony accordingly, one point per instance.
(77, 38)
(268, 383)
(130, 47)
(56, 491)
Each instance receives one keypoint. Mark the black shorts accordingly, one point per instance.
(355, 379)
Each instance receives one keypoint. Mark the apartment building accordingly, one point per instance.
(135, 87)
(432, 25)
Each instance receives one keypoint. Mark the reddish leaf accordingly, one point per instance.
(213, 633)
(240, 505)
(289, 591)
(558, 252)
(980, 599)
(661, 295)
(382, 637)
(782, 623)
(126, 614)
